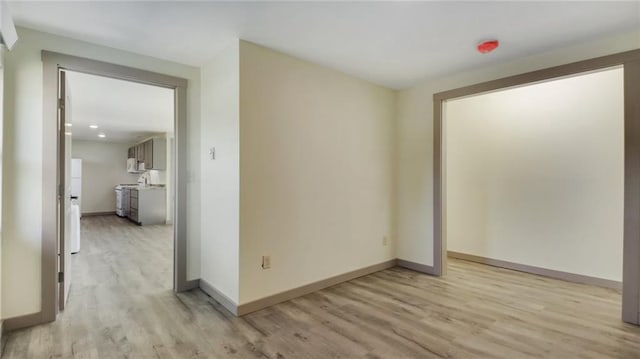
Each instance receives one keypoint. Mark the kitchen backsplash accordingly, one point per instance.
(157, 177)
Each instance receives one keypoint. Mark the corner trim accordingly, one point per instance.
(22, 321)
(219, 297)
(270, 300)
(422, 268)
(566, 276)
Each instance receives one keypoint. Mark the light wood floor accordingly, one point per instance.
(121, 306)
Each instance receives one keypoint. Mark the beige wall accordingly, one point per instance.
(415, 137)
(535, 174)
(104, 166)
(221, 177)
(22, 149)
(2, 50)
(316, 172)
(303, 172)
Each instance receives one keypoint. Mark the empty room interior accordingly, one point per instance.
(320, 179)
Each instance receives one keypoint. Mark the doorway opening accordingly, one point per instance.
(159, 150)
(117, 165)
(549, 190)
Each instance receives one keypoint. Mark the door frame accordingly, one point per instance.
(53, 62)
(630, 60)
(62, 183)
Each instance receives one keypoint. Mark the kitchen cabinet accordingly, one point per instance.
(132, 213)
(153, 153)
(148, 155)
(140, 152)
(136, 152)
(147, 205)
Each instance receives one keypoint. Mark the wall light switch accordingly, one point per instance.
(212, 153)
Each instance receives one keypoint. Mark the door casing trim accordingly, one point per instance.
(52, 62)
(630, 60)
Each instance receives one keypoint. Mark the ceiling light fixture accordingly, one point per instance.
(68, 124)
(93, 126)
(102, 135)
(486, 47)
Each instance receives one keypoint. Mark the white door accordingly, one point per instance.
(64, 196)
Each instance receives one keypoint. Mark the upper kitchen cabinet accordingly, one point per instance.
(155, 154)
(136, 152)
(140, 152)
(152, 152)
(148, 155)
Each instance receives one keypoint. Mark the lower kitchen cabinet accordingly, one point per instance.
(148, 205)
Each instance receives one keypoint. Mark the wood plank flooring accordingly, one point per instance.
(121, 306)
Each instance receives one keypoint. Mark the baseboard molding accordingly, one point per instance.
(191, 284)
(94, 214)
(570, 277)
(21, 321)
(422, 268)
(219, 297)
(268, 301)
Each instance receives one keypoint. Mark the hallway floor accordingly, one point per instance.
(121, 306)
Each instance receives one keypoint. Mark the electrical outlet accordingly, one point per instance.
(266, 262)
(385, 241)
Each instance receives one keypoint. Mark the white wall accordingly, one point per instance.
(221, 177)
(535, 174)
(104, 166)
(317, 172)
(22, 203)
(415, 136)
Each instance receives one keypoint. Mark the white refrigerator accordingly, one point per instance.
(76, 181)
(76, 203)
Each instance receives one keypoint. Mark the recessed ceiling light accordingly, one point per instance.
(102, 135)
(93, 126)
(68, 124)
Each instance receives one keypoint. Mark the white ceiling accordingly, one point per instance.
(389, 43)
(124, 111)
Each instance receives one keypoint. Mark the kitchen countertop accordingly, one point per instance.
(149, 187)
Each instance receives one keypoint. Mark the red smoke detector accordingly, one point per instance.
(488, 46)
